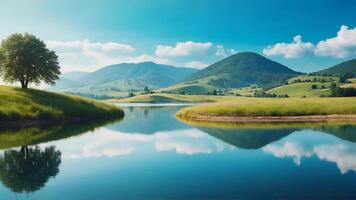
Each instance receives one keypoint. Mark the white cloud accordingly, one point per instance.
(85, 55)
(196, 64)
(221, 52)
(89, 48)
(187, 48)
(341, 46)
(294, 49)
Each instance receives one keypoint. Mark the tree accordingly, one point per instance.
(215, 92)
(333, 89)
(313, 87)
(131, 94)
(146, 90)
(25, 58)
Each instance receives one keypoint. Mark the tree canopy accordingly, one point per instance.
(25, 58)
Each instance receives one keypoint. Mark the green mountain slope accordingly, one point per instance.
(147, 72)
(244, 69)
(122, 78)
(345, 68)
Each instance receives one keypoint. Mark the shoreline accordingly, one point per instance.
(244, 119)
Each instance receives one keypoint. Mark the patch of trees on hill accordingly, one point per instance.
(342, 92)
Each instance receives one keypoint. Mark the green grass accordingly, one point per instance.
(272, 107)
(302, 89)
(198, 87)
(18, 104)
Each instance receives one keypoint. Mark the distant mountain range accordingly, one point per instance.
(347, 68)
(123, 77)
(239, 70)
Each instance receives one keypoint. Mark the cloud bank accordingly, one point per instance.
(294, 49)
(343, 45)
(85, 55)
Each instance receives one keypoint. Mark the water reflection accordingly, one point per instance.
(151, 155)
(29, 168)
(248, 138)
(35, 135)
(302, 144)
(25, 168)
(149, 120)
(108, 143)
(343, 154)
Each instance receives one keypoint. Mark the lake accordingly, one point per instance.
(151, 155)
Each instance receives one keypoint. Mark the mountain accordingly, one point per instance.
(347, 68)
(122, 78)
(74, 75)
(148, 73)
(244, 69)
(239, 70)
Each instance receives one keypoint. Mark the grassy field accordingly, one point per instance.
(18, 104)
(302, 89)
(200, 87)
(244, 106)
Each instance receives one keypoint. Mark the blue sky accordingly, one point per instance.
(91, 34)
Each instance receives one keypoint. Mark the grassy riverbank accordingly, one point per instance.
(35, 106)
(263, 107)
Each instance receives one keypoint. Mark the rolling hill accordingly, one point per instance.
(244, 69)
(347, 68)
(122, 78)
(239, 70)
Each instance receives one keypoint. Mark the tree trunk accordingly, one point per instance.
(24, 84)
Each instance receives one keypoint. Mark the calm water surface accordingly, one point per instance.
(151, 155)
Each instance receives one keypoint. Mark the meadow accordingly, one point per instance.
(18, 104)
(251, 107)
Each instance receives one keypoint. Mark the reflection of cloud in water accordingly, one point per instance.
(108, 143)
(182, 147)
(344, 155)
(288, 149)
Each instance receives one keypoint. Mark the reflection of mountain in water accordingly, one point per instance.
(149, 120)
(248, 138)
(28, 169)
(346, 132)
